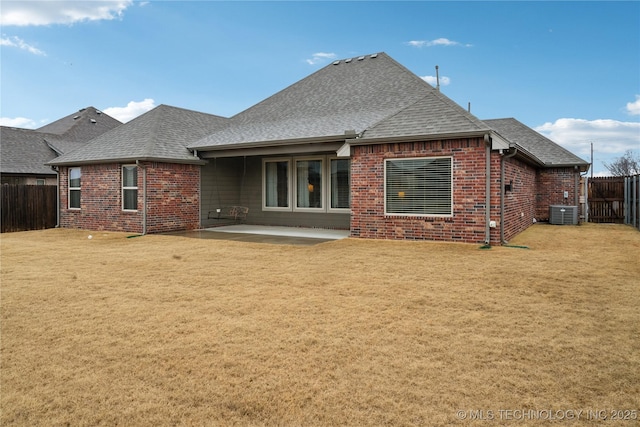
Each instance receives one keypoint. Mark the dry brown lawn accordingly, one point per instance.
(163, 330)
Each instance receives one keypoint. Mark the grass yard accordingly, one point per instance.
(163, 330)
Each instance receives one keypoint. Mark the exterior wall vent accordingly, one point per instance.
(563, 215)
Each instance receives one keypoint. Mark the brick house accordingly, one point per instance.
(139, 177)
(362, 144)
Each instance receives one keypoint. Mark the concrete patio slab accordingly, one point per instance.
(312, 233)
(266, 234)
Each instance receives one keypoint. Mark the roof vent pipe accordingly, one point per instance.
(437, 79)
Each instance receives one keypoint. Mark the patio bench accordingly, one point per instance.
(235, 213)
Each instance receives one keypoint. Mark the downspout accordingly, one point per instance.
(144, 196)
(55, 168)
(487, 192)
(576, 186)
(502, 191)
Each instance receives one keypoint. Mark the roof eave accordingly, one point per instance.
(583, 167)
(416, 138)
(527, 157)
(270, 143)
(195, 161)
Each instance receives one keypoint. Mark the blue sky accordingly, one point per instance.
(570, 70)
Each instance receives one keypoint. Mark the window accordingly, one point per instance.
(74, 188)
(130, 188)
(299, 184)
(309, 184)
(40, 181)
(419, 186)
(340, 189)
(276, 185)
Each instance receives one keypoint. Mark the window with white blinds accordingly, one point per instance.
(418, 186)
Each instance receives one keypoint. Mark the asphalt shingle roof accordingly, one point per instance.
(433, 114)
(346, 95)
(533, 143)
(372, 95)
(81, 126)
(159, 135)
(24, 151)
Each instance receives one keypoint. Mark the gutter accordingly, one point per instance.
(418, 138)
(190, 161)
(270, 143)
(144, 196)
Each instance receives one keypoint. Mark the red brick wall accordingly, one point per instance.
(468, 221)
(551, 185)
(173, 197)
(173, 192)
(519, 203)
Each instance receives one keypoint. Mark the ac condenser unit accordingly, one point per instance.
(563, 215)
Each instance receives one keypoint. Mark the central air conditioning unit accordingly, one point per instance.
(563, 215)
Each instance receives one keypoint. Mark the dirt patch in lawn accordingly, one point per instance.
(164, 330)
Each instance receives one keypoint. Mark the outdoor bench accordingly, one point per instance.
(235, 213)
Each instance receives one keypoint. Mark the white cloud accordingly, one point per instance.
(608, 136)
(320, 57)
(18, 122)
(25, 13)
(131, 111)
(437, 42)
(433, 81)
(20, 44)
(633, 108)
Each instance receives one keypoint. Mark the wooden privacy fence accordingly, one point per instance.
(606, 199)
(28, 207)
(614, 199)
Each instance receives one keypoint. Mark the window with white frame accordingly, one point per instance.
(340, 172)
(129, 187)
(276, 185)
(309, 183)
(419, 186)
(74, 187)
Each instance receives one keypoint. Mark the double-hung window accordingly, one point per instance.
(74, 188)
(129, 187)
(419, 186)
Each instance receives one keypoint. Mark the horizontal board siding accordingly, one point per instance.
(238, 181)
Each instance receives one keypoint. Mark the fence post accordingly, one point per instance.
(635, 200)
(628, 198)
